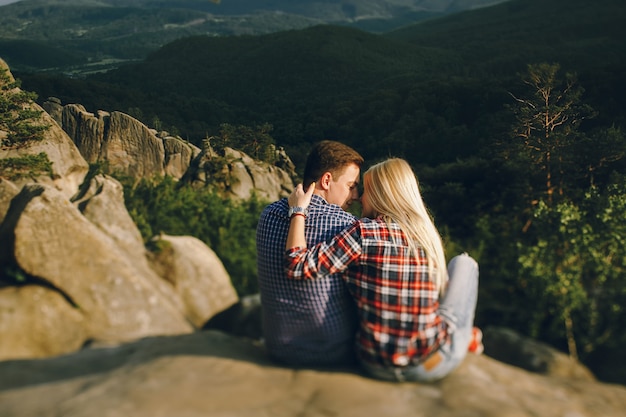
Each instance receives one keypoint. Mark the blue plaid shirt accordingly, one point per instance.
(309, 322)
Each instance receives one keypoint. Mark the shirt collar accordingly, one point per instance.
(318, 200)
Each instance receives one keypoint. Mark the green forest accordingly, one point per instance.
(512, 116)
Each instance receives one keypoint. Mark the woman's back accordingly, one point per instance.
(396, 296)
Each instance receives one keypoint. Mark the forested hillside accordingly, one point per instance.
(513, 117)
(79, 37)
(449, 84)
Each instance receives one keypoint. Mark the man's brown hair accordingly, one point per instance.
(329, 156)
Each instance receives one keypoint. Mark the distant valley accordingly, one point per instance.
(79, 37)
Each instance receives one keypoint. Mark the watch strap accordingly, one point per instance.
(297, 210)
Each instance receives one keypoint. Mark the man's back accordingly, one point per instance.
(310, 322)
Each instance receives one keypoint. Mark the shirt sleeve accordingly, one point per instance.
(327, 257)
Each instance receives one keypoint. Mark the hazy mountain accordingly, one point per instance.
(337, 10)
(92, 35)
(327, 10)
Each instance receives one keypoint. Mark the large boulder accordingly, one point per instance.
(118, 295)
(249, 176)
(74, 269)
(101, 201)
(212, 374)
(90, 274)
(38, 322)
(124, 143)
(197, 275)
(85, 263)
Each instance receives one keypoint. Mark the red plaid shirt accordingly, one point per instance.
(397, 300)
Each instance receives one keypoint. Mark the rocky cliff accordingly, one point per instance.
(129, 147)
(210, 373)
(74, 269)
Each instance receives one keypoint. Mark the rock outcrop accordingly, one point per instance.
(241, 176)
(68, 166)
(129, 147)
(178, 155)
(8, 190)
(196, 274)
(74, 269)
(124, 143)
(210, 373)
(37, 321)
(119, 297)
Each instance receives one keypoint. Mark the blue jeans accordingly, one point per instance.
(457, 308)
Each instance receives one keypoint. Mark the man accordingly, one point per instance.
(312, 322)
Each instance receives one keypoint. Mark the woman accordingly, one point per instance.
(393, 262)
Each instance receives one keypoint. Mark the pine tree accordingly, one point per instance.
(18, 120)
(546, 124)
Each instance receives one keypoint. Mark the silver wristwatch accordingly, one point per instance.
(295, 210)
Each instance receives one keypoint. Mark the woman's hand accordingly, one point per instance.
(300, 198)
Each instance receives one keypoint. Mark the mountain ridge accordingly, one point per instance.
(99, 35)
(333, 81)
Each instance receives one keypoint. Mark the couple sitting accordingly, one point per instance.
(338, 290)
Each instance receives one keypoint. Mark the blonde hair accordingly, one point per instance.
(393, 192)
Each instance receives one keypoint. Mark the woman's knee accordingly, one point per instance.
(464, 263)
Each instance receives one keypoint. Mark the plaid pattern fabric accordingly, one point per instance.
(304, 322)
(397, 301)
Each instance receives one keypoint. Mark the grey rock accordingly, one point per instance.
(178, 156)
(119, 140)
(101, 201)
(86, 130)
(236, 175)
(197, 275)
(510, 347)
(243, 318)
(119, 296)
(127, 146)
(132, 148)
(54, 108)
(8, 190)
(69, 168)
(212, 374)
(38, 322)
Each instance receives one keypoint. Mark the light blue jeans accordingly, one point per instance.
(457, 308)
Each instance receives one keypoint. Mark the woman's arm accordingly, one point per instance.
(298, 198)
(324, 258)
